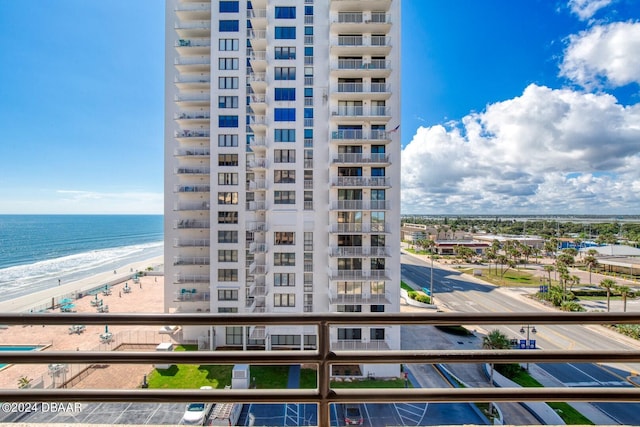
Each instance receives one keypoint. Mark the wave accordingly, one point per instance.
(28, 278)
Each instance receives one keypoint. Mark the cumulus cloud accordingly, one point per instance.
(546, 151)
(585, 9)
(604, 55)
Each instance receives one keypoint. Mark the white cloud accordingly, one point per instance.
(546, 151)
(585, 9)
(604, 54)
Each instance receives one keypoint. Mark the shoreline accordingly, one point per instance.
(40, 300)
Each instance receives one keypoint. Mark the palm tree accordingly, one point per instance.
(575, 280)
(24, 382)
(494, 340)
(624, 291)
(591, 262)
(608, 284)
(549, 269)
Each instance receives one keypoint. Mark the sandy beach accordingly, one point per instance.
(147, 296)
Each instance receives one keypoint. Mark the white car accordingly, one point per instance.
(196, 414)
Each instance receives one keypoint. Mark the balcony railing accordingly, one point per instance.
(190, 224)
(357, 111)
(359, 275)
(194, 151)
(361, 158)
(191, 243)
(358, 251)
(360, 181)
(360, 204)
(358, 227)
(323, 358)
(353, 134)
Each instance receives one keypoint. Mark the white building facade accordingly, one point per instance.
(282, 167)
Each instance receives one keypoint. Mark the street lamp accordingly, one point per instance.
(530, 329)
(431, 283)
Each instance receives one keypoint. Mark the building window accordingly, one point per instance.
(227, 102)
(377, 171)
(233, 335)
(308, 10)
(285, 52)
(227, 83)
(228, 63)
(227, 295)
(227, 309)
(227, 236)
(284, 300)
(377, 288)
(229, 6)
(349, 333)
(285, 114)
(284, 279)
(228, 44)
(284, 238)
(228, 178)
(285, 93)
(377, 263)
(227, 217)
(284, 259)
(349, 308)
(227, 160)
(227, 198)
(308, 31)
(285, 73)
(288, 340)
(227, 140)
(350, 288)
(284, 156)
(284, 177)
(376, 334)
(228, 275)
(230, 25)
(285, 12)
(377, 308)
(227, 255)
(228, 121)
(284, 135)
(377, 240)
(285, 33)
(308, 241)
(284, 197)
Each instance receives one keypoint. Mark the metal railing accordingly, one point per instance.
(323, 358)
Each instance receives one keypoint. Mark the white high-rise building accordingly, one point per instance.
(282, 167)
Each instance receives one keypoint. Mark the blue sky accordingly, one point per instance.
(507, 107)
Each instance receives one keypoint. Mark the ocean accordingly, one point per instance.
(37, 250)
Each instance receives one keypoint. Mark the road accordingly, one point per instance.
(454, 291)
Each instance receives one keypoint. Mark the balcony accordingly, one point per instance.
(258, 18)
(360, 181)
(258, 39)
(190, 100)
(192, 82)
(342, 298)
(359, 136)
(257, 248)
(257, 206)
(258, 143)
(257, 290)
(358, 22)
(193, 29)
(359, 275)
(192, 295)
(256, 226)
(373, 159)
(192, 152)
(351, 68)
(358, 205)
(258, 185)
(358, 251)
(193, 118)
(258, 123)
(324, 358)
(191, 47)
(193, 64)
(258, 103)
(257, 164)
(359, 5)
(190, 171)
(258, 60)
(191, 243)
(192, 189)
(193, 11)
(361, 92)
(192, 206)
(360, 45)
(359, 113)
(257, 268)
(190, 224)
(180, 260)
(183, 279)
(350, 228)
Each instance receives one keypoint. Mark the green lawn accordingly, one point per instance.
(511, 277)
(191, 376)
(568, 414)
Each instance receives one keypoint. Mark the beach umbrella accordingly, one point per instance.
(65, 301)
(106, 329)
(96, 297)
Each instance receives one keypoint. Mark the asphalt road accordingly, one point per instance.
(456, 292)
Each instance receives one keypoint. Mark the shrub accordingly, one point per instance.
(509, 370)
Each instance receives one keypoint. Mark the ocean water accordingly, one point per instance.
(37, 250)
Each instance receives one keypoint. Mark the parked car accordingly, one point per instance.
(196, 414)
(353, 415)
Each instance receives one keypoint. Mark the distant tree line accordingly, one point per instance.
(601, 232)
